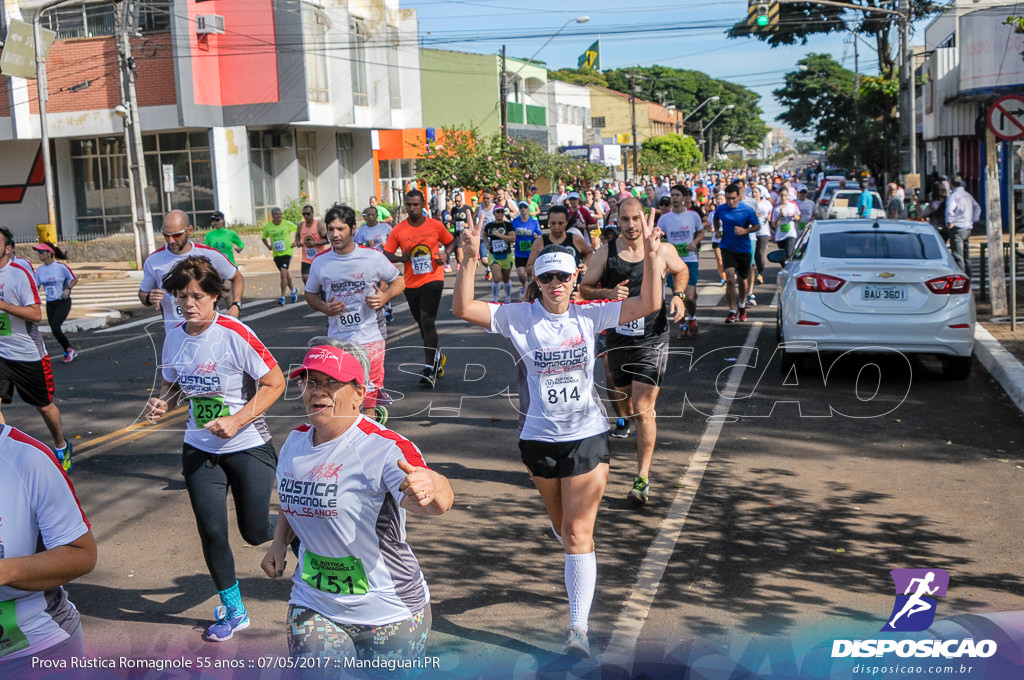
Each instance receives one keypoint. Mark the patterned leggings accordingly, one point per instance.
(311, 634)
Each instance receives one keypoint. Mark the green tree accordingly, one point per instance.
(449, 159)
(800, 20)
(582, 76)
(860, 129)
(679, 152)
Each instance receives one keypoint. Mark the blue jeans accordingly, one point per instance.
(959, 244)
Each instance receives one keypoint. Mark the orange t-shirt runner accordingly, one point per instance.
(422, 244)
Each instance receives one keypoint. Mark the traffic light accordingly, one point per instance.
(762, 17)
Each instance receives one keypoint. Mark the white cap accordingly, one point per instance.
(554, 262)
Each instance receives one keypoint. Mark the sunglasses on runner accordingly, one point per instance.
(548, 277)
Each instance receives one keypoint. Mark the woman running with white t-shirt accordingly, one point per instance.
(563, 427)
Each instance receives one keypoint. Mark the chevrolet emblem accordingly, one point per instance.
(887, 275)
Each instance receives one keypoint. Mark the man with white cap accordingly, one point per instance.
(581, 220)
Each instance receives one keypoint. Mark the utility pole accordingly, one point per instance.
(907, 70)
(143, 218)
(856, 106)
(632, 115)
(503, 93)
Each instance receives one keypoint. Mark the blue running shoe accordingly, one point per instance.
(64, 456)
(224, 627)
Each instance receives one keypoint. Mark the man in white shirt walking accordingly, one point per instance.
(962, 211)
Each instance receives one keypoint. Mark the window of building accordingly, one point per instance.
(346, 171)
(394, 73)
(396, 177)
(261, 162)
(597, 121)
(92, 20)
(360, 91)
(100, 170)
(315, 29)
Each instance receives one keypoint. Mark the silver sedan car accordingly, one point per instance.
(874, 286)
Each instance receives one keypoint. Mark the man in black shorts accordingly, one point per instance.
(24, 363)
(737, 221)
(637, 352)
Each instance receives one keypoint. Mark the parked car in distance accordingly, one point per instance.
(843, 205)
(766, 169)
(545, 207)
(873, 287)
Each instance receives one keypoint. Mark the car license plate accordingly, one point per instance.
(884, 293)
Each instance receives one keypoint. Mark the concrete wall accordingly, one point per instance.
(460, 89)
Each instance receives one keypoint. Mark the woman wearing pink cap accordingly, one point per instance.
(563, 428)
(57, 280)
(345, 484)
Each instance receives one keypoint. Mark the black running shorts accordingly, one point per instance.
(34, 380)
(738, 261)
(555, 460)
(643, 363)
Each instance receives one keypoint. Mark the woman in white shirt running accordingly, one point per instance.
(345, 484)
(563, 428)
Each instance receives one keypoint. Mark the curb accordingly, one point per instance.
(1003, 366)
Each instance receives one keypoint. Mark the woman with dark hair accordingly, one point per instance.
(563, 429)
(57, 280)
(229, 379)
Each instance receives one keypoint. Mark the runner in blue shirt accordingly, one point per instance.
(737, 221)
(527, 230)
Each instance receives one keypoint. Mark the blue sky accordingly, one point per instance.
(483, 25)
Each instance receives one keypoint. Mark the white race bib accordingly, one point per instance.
(52, 291)
(278, 246)
(310, 253)
(421, 264)
(633, 329)
(562, 393)
(351, 319)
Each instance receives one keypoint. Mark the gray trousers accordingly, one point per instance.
(959, 242)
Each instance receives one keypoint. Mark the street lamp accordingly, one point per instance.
(579, 20)
(709, 99)
(712, 122)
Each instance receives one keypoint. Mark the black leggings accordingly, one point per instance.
(57, 313)
(759, 252)
(250, 475)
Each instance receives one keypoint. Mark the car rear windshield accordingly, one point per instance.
(880, 245)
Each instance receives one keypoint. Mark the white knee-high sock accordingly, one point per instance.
(508, 291)
(580, 584)
(494, 290)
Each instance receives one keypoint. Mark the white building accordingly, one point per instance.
(568, 115)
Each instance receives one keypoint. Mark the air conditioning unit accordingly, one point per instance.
(277, 140)
(209, 23)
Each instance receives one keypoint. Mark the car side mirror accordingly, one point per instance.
(777, 256)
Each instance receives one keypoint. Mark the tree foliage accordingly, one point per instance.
(859, 128)
(670, 153)
(800, 20)
(687, 90)
(582, 76)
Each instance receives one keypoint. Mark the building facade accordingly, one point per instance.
(279, 102)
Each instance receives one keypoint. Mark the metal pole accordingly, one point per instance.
(632, 104)
(123, 83)
(44, 135)
(1011, 194)
(145, 219)
(503, 90)
(907, 79)
(856, 105)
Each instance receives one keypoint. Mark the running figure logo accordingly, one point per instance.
(914, 609)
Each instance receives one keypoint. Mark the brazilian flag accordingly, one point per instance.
(591, 59)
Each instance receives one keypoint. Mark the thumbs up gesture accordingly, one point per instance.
(426, 492)
(377, 298)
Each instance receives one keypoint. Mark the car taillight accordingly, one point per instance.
(819, 283)
(823, 201)
(955, 284)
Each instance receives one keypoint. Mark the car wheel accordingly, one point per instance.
(957, 368)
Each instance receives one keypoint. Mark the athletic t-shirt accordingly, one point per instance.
(422, 244)
(763, 208)
(54, 278)
(312, 230)
(556, 366)
(162, 261)
(789, 212)
(224, 240)
(806, 212)
(526, 233)
(38, 506)
(217, 371)
(350, 278)
(280, 236)
(680, 230)
(500, 248)
(741, 216)
(373, 237)
(342, 498)
(461, 215)
(20, 340)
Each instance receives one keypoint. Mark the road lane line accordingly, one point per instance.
(85, 446)
(634, 613)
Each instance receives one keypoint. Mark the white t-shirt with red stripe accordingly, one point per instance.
(162, 261)
(37, 502)
(54, 278)
(350, 278)
(218, 368)
(343, 501)
(556, 366)
(20, 340)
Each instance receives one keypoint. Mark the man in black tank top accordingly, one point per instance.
(637, 352)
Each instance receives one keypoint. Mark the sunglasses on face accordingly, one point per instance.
(548, 277)
(216, 219)
(307, 213)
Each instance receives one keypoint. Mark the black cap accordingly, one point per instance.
(664, 200)
(216, 214)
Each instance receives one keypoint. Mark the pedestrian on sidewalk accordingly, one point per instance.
(57, 280)
(962, 211)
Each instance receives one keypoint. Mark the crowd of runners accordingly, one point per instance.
(615, 268)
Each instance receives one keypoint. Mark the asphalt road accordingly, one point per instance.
(779, 504)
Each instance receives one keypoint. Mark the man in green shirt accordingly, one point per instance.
(223, 238)
(383, 214)
(277, 237)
